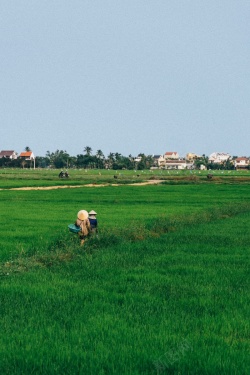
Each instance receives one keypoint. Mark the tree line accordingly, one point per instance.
(61, 159)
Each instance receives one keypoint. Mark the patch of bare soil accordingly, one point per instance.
(151, 182)
(53, 187)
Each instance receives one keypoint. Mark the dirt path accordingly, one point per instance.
(150, 182)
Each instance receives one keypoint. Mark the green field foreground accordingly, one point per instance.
(17, 178)
(163, 290)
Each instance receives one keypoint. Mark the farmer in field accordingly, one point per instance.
(93, 222)
(82, 221)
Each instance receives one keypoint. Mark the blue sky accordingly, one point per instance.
(125, 76)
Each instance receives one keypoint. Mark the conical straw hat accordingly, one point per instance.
(82, 215)
(92, 212)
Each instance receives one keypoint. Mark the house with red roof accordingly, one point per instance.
(27, 156)
(242, 163)
(8, 154)
(171, 155)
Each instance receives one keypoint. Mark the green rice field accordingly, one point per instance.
(163, 289)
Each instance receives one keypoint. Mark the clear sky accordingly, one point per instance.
(125, 76)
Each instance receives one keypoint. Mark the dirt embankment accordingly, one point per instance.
(151, 182)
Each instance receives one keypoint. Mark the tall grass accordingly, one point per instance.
(174, 304)
(164, 289)
(31, 220)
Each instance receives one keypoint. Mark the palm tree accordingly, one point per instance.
(88, 150)
(100, 154)
(100, 158)
(27, 149)
(111, 159)
(117, 156)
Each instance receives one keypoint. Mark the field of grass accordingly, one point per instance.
(163, 290)
(15, 178)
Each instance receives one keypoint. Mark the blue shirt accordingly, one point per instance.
(93, 223)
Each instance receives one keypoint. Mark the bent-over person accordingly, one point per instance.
(82, 221)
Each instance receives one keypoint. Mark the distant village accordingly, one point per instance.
(169, 160)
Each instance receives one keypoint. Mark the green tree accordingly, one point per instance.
(100, 154)
(121, 162)
(146, 161)
(88, 150)
(59, 158)
(227, 164)
(86, 161)
(100, 159)
(111, 160)
(42, 162)
(202, 160)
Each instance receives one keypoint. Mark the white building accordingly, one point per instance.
(175, 164)
(8, 154)
(159, 161)
(241, 162)
(190, 156)
(28, 156)
(218, 157)
(203, 167)
(137, 159)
